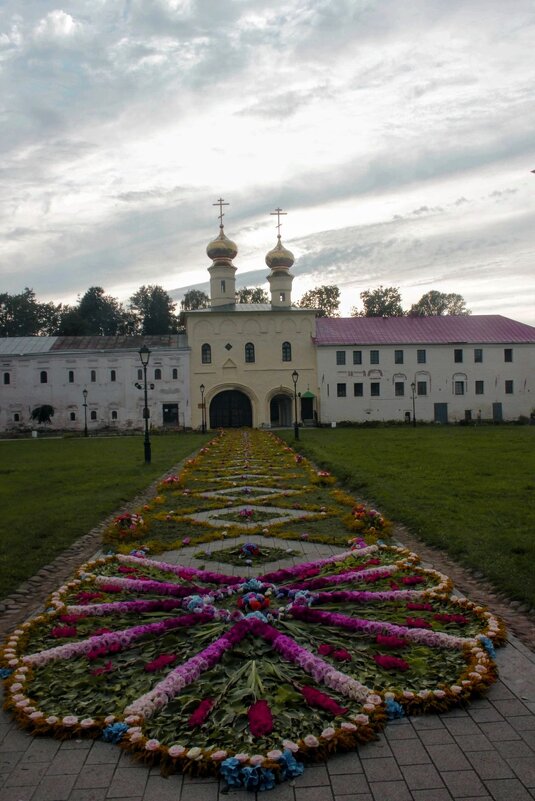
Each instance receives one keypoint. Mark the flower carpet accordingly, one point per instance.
(247, 677)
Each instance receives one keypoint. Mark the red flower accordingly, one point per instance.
(417, 623)
(198, 717)
(412, 579)
(443, 617)
(70, 618)
(391, 662)
(325, 649)
(341, 655)
(63, 631)
(390, 641)
(318, 699)
(414, 606)
(160, 662)
(260, 719)
(100, 671)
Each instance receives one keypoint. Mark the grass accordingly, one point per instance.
(467, 490)
(52, 491)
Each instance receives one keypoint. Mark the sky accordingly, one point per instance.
(398, 135)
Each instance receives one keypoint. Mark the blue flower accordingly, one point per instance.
(114, 733)
(230, 770)
(393, 709)
(194, 602)
(253, 585)
(290, 767)
(258, 615)
(267, 779)
(5, 672)
(488, 646)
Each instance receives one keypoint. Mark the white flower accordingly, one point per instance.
(136, 736)
(362, 720)
(109, 719)
(456, 689)
(87, 722)
(194, 753)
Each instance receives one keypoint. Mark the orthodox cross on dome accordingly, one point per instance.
(221, 203)
(280, 213)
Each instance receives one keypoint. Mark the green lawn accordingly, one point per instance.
(468, 490)
(52, 491)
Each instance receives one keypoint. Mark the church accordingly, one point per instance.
(269, 365)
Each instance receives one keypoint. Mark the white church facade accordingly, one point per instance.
(264, 365)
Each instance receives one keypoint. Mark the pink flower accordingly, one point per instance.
(311, 741)
(152, 745)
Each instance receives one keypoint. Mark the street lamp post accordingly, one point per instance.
(413, 388)
(203, 416)
(84, 393)
(144, 355)
(295, 378)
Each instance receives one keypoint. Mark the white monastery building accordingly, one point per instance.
(262, 365)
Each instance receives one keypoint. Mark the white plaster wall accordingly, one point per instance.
(440, 372)
(25, 390)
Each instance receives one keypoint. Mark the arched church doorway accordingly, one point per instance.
(231, 409)
(280, 411)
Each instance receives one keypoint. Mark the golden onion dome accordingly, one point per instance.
(222, 247)
(280, 258)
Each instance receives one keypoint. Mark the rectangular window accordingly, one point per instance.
(71, 376)
(508, 354)
(508, 387)
(7, 378)
(340, 390)
(340, 357)
(93, 376)
(459, 388)
(480, 387)
(374, 357)
(478, 355)
(357, 357)
(223, 287)
(375, 389)
(421, 387)
(421, 356)
(399, 389)
(398, 357)
(358, 390)
(458, 355)
(113, 375)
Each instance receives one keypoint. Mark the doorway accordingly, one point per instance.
(231, 409)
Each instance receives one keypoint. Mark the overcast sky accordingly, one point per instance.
(397, 134)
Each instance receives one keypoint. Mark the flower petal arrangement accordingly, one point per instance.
(249, 677)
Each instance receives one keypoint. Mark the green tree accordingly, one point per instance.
(43, 414)
(385, 301)
(154, 310)
(195, 299)
(254, 295)
(326, 299)
(21, 315)
(96, 314)
(435, 304)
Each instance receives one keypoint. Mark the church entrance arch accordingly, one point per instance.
(231, 409)
(280, 410)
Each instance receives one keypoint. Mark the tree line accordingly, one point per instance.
(151, 310)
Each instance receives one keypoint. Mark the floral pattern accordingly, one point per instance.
(250, 678)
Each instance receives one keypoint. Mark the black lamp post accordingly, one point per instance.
(203, 416)
(295, 378)
(84, 393)
(413, 387)
(144, 355)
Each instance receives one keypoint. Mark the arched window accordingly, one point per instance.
(113, 375)
(72, 416)
(286, 352)
(7, 378)
(16, 417)
(114, 415)
(206, 354)
(175, 373)
(249, 352)
(71, 376)
(157, 374)
(93, 415)
(44, 377)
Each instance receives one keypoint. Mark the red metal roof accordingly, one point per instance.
(115, 342)
(480, 328)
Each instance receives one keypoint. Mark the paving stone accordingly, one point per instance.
(508, 790)
(421, 777)
(427, 722)
(349, 783)
(311, 794)
(436, 737)
(391, 791)
(448, 757)
(95, 776)
(511, 707)
(67, 762)
(54, 788)
(79, 745)
(514, 748)
(281, 792)
(405, 732)
(485, 715)
(313, 775)
(102, 753)
(8, 761)
(522, 722)
(26, 775)
(237, 794)
(128, 782)
(381, 770)
(201, 792)
(89, 794)
(490, 765)
(524, 767)
(344, 763)
(409, 752)
(463, 783)
(476, 742)
(434, 795)
(160, 789)
(16, 740)
(499, 731)
(376, 749)
(42, 749)
(18, 794)
(460, 726)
